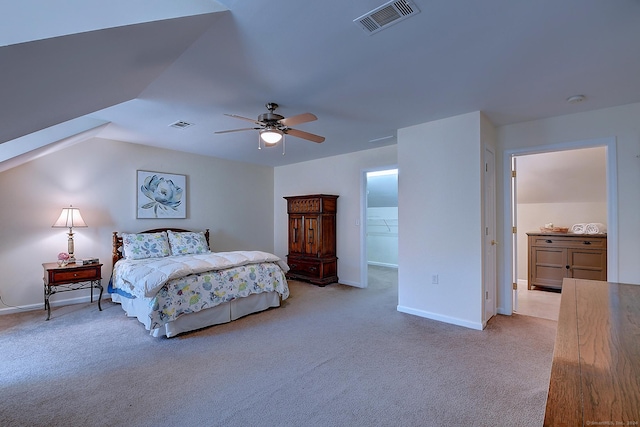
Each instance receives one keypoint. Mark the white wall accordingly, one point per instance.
(621, 123)
(341, 175)
(382, 236)
(234, 200)
(440, 220)
(439, 209)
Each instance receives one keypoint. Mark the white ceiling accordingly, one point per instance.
(170, 61)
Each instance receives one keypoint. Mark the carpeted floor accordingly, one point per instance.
(332, 356)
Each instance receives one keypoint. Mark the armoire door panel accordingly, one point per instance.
(312, 235)
(296, 234)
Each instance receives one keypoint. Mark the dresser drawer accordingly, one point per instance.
(570, 242)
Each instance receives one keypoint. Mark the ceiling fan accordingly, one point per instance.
(273, 126)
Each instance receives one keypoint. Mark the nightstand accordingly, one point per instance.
(70, 277)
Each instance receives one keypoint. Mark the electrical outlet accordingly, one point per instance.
(434, 279)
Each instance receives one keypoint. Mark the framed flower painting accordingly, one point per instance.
(161, 195)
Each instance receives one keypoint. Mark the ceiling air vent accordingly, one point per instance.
(388, 14)
(180, 124)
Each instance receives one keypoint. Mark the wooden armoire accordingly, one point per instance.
(312, 238)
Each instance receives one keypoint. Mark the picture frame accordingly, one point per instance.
(161, 195)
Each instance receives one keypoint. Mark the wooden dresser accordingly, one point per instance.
(554, 256)
(312, 238)
(595, 375)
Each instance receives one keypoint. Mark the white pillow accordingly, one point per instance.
(145, 245)
(185, 243)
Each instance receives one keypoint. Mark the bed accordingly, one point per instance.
(172, 283)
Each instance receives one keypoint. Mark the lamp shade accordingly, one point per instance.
(69, 218)
(271, 136)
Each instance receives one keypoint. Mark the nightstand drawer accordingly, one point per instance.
(63, 276)
(70, 274)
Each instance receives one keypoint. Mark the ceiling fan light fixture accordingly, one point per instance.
(576, 99)
(271, 136)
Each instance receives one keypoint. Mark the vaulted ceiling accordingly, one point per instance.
(126, 70)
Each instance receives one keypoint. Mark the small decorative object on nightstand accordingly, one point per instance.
(70, 277)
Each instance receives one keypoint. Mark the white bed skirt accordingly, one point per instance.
(223, 313)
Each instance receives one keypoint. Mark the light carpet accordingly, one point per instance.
(332, 356)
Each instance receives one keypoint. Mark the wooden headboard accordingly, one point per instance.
(117, 251)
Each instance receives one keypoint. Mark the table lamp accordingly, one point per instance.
(69, 218)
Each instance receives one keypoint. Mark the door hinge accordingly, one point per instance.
(515, 286)
(514, 230)
(513, 174)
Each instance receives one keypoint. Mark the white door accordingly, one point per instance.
(490, 244)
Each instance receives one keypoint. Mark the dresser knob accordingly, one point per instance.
(548, 241)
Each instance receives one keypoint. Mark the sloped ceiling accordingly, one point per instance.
(571, 176)
(54, 80)
(515, 61)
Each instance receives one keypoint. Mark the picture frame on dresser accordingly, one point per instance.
(161, 195)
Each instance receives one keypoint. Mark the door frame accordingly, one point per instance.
(506, 292)
(489, 236)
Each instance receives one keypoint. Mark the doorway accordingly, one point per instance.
(555, 186)
(380, 223)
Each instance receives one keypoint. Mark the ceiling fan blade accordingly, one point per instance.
(300, 118)
(243, 118)
(236, 130)
(304, 135)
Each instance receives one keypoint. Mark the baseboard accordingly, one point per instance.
(56, 303)
(441, 318)
(382, 264)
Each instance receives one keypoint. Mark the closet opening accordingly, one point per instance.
(380, 227)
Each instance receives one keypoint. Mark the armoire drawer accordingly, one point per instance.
(307, 268)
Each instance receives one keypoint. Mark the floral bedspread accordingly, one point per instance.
(203, 290)
(177, 285)
(145, 277)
